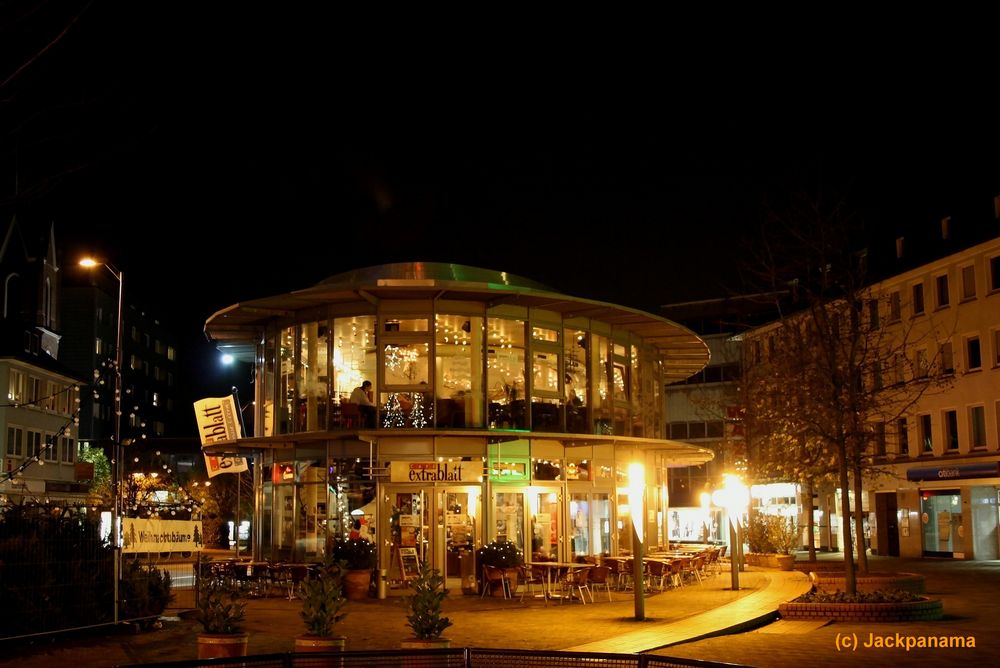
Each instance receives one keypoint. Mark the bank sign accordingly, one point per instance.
(433, 472)
(984, 470)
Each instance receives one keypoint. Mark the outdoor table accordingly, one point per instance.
(555, 566)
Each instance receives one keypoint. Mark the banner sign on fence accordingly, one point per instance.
(218, 422)
(149, 535)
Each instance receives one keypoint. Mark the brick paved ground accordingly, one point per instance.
(970, 591)
(971, 595)
(273, 624)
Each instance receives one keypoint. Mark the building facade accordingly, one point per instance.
(504, 410)
(931, 436)
(40, 394)
(150, 366)
(938, 468)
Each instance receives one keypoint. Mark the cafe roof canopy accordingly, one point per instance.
(236, 328)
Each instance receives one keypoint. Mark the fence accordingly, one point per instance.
(446, 658)
(57, 574)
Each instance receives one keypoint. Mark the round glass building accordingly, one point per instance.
(500, 409)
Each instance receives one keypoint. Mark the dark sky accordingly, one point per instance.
(214, 155)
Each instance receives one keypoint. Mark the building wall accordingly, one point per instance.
(56, 477)
(701, 411)
(967, 388)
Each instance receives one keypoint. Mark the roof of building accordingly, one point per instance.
(682, 351)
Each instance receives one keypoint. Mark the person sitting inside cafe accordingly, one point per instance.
(362, 396)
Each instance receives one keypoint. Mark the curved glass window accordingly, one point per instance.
(575, 361)
(505, 373)
(406, 363)
(467, 372)
(458, 371)
(313, 380)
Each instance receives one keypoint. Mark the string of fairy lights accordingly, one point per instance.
(138, 497)
(51, 440)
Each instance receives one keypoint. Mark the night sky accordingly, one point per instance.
(216, 156)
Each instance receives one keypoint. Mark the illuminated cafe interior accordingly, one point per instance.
(505, 410)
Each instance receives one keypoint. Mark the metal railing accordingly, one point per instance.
(445, 658)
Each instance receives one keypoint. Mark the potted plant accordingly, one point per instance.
(358, 556)
(758, 540)
(144, 591)
(783, 534)
(322, 599)
(501, 554)
(221, 606)
(424, 607)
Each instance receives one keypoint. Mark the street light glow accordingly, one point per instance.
(117, 463)
(636, 492)
(228, 359)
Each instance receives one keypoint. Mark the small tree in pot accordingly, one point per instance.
(358, 556)
(322, 599)
(425, 611)
(221, 606)
(783, 534)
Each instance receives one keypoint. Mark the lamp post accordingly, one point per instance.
(637, 506)
(734, 497)
(116, 462)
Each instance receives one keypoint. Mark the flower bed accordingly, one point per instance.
(833, 580)
(898, 611)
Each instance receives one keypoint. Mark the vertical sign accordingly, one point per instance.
(218, 422)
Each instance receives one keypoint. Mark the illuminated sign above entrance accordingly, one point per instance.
(432, 472)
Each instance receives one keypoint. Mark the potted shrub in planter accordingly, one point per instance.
(425, 611)
(501, 554)
(145, 592)
(358, 556)
(783, 534)
(758, 541)
(221, 606)
(322, 599)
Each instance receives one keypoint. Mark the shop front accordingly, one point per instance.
(949, 511)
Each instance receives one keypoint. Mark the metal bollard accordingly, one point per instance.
(383, 575)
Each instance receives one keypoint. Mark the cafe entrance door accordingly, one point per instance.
(457, 535)
(440, 525)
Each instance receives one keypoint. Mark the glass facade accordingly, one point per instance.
(495, 418)
(470, 372)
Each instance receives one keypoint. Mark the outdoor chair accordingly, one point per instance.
(296, 573)
(598, 577)
(530, 576)
(492, 574)
(615, 574)
(693, 568)
(657, 571)
(577, 580)
(675, 572)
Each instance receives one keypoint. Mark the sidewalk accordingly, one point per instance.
(968, 590)
(674, 620)
(274, 622)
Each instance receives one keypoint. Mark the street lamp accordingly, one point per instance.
(637, 507)
(116, 462)
(734, 497)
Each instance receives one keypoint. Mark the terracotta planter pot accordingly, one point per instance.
(430, 643)
(216, 645)
(357, 584)
(311, 643)
(786, 562)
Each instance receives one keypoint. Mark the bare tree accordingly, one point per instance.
(836, 366)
